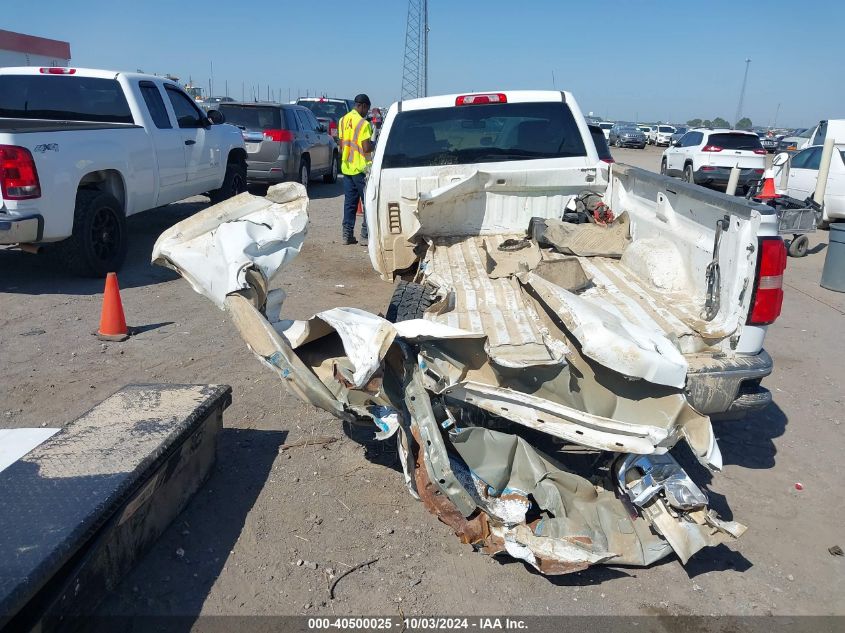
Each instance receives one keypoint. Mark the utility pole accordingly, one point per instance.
(415, 64)
(211, 81)
(775, 121)
(742, 93)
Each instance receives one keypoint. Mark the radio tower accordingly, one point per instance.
(415, 66)
(742, 93)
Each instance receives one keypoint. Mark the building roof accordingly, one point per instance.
(21, 43)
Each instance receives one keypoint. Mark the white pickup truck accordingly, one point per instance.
(520, 331)
(81, 150)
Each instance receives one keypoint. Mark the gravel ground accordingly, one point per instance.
(270, 527)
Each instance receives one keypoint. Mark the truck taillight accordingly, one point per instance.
(496, 97)
(768, 283)
(333, 128)
(57, 70)
(280, 136)
(711, 148)
(18, 175)
(760, 151)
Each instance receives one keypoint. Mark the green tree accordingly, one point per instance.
(720, 122)
(744, 124)
(694, 122)
(707, 123)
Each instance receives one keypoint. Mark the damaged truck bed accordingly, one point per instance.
(547, 304)
(520, 351)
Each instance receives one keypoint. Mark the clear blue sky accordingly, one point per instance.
(643, 60)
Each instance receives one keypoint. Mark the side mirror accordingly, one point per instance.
(216, 117)
(780, 159)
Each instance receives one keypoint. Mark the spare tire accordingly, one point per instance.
(409, 301)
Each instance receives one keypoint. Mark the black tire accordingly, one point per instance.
(304, 173)
(688, 174)
(798, 246)
(234, 182)
(663, 167)
(331, 177)
(99, 240)
(409, 301)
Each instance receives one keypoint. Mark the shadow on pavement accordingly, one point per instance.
(166, 584)
(749, 442)
(27, 274)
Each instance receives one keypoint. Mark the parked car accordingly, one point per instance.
(646, 130)
(605, 126)
(793, 142)
(212, 103)
(600, 142)
(804, 174)
(81, 150)
(327, 110)
(768, 142)
(626, 135)
(662, 135)
(679, 132)
(706, 156)
(283, 142)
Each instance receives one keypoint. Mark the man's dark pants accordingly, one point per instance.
(353, 191)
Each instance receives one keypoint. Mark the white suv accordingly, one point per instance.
(662, 135)
(706, 157)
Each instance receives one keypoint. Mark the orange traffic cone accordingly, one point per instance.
(360, 210)
(768, 192)
(112, 322)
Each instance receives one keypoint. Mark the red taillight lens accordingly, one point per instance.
(57, 71)
(280, 136)
(18, 175)
(332, 128)
(497, 97)
(707, 168)
(759, 151)
(711, 148)
(607, 160)
(768, 283)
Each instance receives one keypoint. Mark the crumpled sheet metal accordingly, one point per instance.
(495, 489)
(214, 248)
(610, 339)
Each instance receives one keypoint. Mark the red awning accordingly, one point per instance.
(21, 43)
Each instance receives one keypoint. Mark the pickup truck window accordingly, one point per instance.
(155, 104)
(188, 115)
(482, 133)
(63, 98)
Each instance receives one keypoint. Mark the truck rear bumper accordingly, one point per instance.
(729, 386)
(20, 229)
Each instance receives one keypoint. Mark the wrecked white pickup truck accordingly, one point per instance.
(547, 301)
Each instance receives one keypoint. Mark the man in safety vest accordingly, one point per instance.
(354, 135)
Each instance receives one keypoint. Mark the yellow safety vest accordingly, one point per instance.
(353, 130)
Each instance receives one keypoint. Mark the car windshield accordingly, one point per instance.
(806, 133)
(605, 126)
(681, 130)
(252, 117)
(482, 133)
(735, 141)
(630, 130)
(325, 109)
(665, 129)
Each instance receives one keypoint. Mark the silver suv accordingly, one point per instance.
(283, 142)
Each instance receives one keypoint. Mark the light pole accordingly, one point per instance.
(742, 92)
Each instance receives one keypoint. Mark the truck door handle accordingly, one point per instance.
(190, 142)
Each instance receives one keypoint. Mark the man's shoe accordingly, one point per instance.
(349, 240)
